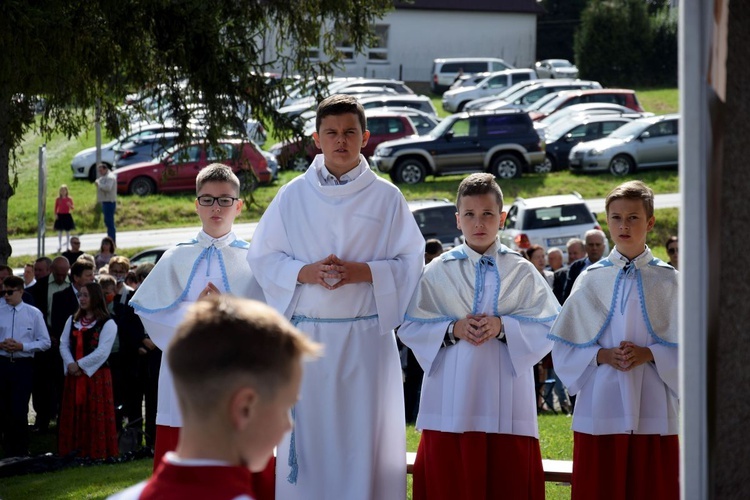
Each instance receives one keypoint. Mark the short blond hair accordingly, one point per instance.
(226, 342)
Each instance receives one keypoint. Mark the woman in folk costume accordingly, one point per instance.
(478, 324)
(87, 416)
(616, 349)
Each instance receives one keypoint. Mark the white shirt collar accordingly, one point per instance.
(328, 179)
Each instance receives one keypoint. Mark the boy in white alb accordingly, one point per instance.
(339, 253)
(237, 368)
(478, 324)
(215, 262)
(616, 349)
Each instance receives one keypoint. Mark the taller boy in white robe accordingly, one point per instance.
(349, 438)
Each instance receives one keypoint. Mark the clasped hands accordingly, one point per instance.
(332, 273)
(11, 345)
(477, 329)
(625, 357)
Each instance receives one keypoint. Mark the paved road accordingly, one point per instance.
(161, 237)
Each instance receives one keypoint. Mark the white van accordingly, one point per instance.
(444, 71)
(455, 99)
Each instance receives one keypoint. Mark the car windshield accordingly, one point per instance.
(443, 126)
(561, 64)
(543, 101)
(558, 216)
(556, 130)
(630, 130)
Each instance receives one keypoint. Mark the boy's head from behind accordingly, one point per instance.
(480, 210)
(340, 132)
(630, 216)
(237, 368)
(217, 200)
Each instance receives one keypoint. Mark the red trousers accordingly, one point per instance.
(263, 483)
(477, 465)
(625, 467)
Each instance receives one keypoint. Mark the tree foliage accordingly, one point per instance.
(76, 54)
(620, 43)
(556, 27)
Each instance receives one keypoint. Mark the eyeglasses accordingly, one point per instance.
(9, 292)
(208, 201)
(672, 251)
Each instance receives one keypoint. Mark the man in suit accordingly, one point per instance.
(595, 245)
(576, 250)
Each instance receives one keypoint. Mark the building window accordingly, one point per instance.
(345, 47)
(313, 53)
(378, 52)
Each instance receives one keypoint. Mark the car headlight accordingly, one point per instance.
(594, 152)
(383, 152)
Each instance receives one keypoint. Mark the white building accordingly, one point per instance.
(415, 34)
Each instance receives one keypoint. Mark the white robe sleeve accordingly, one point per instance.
(574, 364)
(95, 359)
(527, 343)
(394, 280)
(666, 360)
(271, 259)
(425, 340)
(67, 357)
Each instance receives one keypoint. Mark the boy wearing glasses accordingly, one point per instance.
(22, 333)
(214, 262)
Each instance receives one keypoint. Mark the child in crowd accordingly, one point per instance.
(339, 252)
(213, 263)
(478, 324)
(63, 217)
(237, 368)
(616, 348)
(87, 414)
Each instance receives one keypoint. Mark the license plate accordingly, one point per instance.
(558, 242)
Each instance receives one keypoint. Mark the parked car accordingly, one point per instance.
(623, 97)
(556, 68)
(590, 109)
(177, 168)
(420, 102)
(143, 149)
(477, 104)
(84, 162)
(150, 256)
(423, 122)
(445, 70)
(468, 80)
(455, 99)
(643, 143)
(503, 143)
(436, 218)
(549, 221)
(563, 135)
(529, 95)
(383, 126)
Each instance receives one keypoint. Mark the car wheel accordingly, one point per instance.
(461, 106)
(547, 166)
(248, 181)
(621, 165)
(411, 171)
(142, 186)
(300, 164)
(507, 166)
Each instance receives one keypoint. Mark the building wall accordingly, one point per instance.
(418, 37)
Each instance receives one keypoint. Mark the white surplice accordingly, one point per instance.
(486, 388)
(174, 283)
(640, 401)
(349, 422)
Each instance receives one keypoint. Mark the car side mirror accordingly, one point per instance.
(645, 135)
(449, 135)
(568, 137)
(485, 86)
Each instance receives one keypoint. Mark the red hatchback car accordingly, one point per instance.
(623, 97)
(177, 168)
(383, 126)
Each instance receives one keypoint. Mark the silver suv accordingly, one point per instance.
(549, 221)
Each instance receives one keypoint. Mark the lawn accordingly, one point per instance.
(99, 481)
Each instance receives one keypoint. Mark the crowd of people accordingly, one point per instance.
(340, 264)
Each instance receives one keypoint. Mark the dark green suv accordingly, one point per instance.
(503, 143)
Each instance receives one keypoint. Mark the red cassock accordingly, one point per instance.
(477, 465)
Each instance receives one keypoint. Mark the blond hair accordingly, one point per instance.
(633, 190)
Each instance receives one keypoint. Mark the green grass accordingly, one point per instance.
(99, 481)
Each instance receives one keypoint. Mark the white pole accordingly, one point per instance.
(42, 201)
